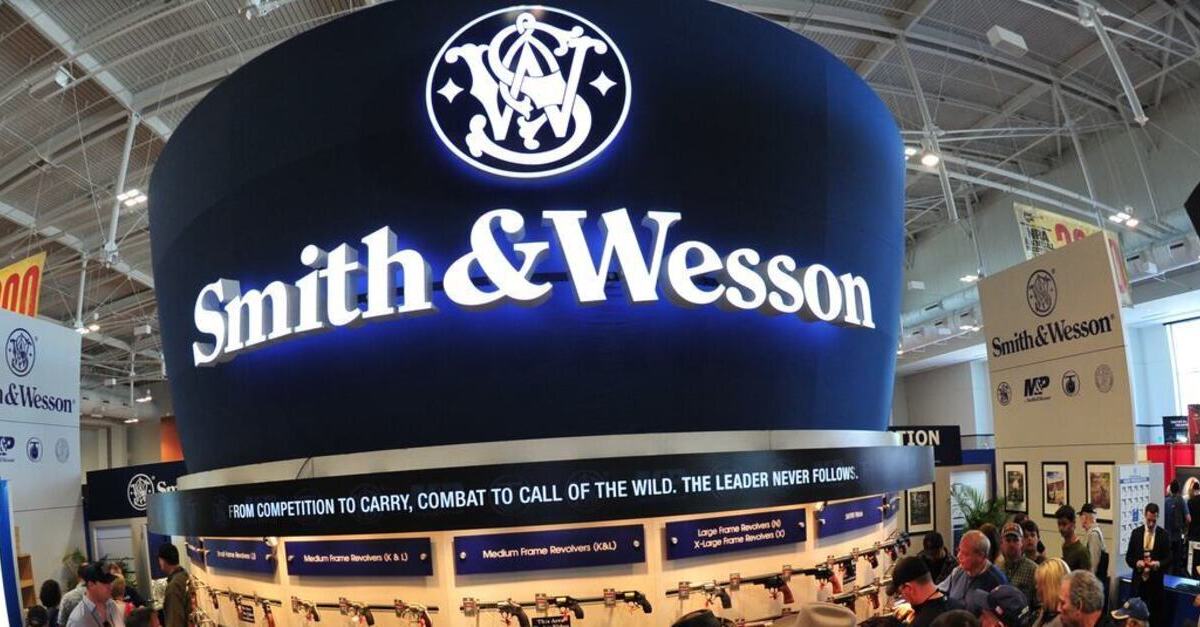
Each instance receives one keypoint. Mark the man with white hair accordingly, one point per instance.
(1081, 601)
(974, 571)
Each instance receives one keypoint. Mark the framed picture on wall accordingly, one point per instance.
(1016, 487)
(1099, 484)
(919, 509)
(1055, 486)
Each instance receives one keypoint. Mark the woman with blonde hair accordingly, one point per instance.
(1047, 580)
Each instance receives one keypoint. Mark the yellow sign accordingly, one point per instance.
(1043, 231)
(21, 285)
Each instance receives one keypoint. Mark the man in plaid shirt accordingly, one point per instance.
(1016, 567)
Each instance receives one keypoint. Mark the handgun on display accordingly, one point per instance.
(268, 617)
(413, 611)
(508, 610)
(714, 591)
(307, 608)
(633, 597)
(569, 603)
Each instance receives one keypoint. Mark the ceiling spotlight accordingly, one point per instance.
(910, 151)
(129, 193)
(1132, 223)
(135, 200)
(1117, 218)
(969, 278)
(144, 399)
(93, 327)
(930, 159)
(131, 421)
(82, 330)
(899, 353)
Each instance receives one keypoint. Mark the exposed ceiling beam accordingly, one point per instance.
(917, 10)
(1072, 65)
(52, 30)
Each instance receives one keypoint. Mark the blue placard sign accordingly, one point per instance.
(247, 555)
(540, 550)
(849, 515)
(706, 536)
(395, 557)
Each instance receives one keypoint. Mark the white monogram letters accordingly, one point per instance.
(693, 273)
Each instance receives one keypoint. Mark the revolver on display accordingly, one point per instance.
(411, 611)
(569, 603)
(307, 608)
(633, 597)
(508, 610)
(713, 591)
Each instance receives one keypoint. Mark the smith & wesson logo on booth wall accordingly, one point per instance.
(141, 486)
(693, 274)
(20, 353)
(1041, 294)
(558, 77)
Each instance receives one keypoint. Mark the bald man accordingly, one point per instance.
(974, 571)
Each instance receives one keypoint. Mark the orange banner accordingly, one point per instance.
(21, 285)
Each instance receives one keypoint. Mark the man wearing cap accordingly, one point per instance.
(1134, 613)
(1149, 555)
(175, 600)
(1081, 601)
(97, 609)
(1094, 542)
(1018, 569)
(1074, 553)
(974, 570)
(1004, 606)
(72, 597)
(913, 582)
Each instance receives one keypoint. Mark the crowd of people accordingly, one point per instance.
(1005, 578)
(101, 598)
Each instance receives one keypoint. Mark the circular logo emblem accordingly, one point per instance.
(33, 450)
(528, 92)
(1041, 292)
(141, 486)
(1070, 383)
(21, 352)
(1104, 378)
(62, 450)
(1004, 394)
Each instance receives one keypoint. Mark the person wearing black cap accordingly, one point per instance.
(1004, 606)
(1149, 555)
(97, 609)
(175, 600)
(1074, 553)
(912, 581)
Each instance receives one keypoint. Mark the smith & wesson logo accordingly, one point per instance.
(1041, 294)
(559, 77)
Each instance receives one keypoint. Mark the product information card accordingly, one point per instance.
(539, 550)
(707, 536)
(396, 557)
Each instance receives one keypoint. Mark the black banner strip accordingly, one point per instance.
(539, 493)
